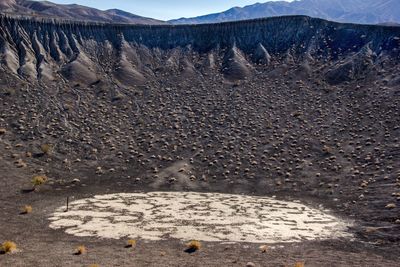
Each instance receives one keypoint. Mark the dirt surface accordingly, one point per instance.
(356, 177)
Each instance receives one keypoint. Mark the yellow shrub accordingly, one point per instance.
(81, 250)
(299, 264)
(8, 247)
(131, 243)
(46, 148)
(193, 245)
(39, 180)
(27, 209)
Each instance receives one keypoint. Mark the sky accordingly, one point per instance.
(164, 9)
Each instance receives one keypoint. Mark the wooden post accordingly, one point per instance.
(67, 204)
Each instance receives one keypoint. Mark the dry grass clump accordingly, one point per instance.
(299, 264)
(327, 150)
(80, 250)
(193, 246)
(20, 163)
(94, 265)
(26, 209)
(9, 92)
(131, 243)
(391, 206)
(39, 180)
(8, 247)
(46, 149)
(263, 248)
(68, 105)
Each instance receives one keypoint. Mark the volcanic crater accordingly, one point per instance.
(281, 112)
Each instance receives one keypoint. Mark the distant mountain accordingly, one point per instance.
(73, 12)
(354, 11)
(390, 24)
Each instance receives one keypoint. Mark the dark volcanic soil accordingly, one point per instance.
(299, 126)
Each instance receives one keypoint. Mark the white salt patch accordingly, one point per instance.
(200, 216)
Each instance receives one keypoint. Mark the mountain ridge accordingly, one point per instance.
(353, 11)
(71, 12)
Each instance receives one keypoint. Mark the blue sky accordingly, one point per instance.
(164, 9)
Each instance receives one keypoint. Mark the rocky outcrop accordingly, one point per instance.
(354, 67)
(261, 55)
(235, 65)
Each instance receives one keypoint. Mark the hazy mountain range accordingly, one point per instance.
(356, 11)
(74, 12)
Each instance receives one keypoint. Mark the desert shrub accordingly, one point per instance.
(391, 206)
(263, 248)
(39, 180)
(9, 92)
(131, 243)
(80, 250)
(20, 163)
(26, 209)
(118, 96)
(299, 264)
(46, 149)
(193, 245)
(327, 150)
(8, 247)
(68, 105)
(297, 114)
